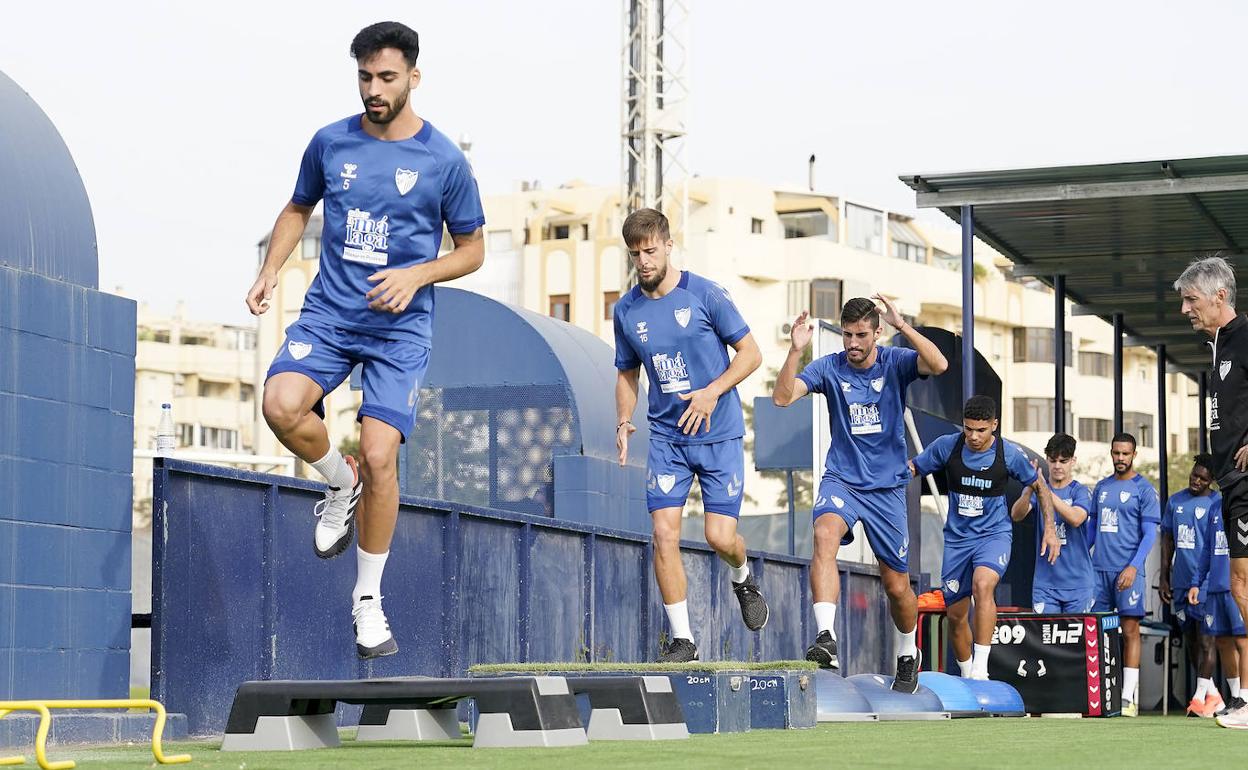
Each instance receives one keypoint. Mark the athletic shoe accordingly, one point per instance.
(753, 607)
(1231, 705)
(1236, 719)
(679, 651)
(1197, 709)
(335, 515)
(823, 651)
(1130, 709)
(907, 679)
(1213, 704)
(979, 677)
(372, 631)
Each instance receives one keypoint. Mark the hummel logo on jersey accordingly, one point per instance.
(682, 316)
(299, 350)
(1101, 499)
(734, 486)
(838, 502)
(1224, 368)
(405, 180)
(347, 174)
(642, 331)
(820, 500)
(877, 384)
(846, 387)
(666, 482)
(952, 585)
(1134, 598)
(1124, 496)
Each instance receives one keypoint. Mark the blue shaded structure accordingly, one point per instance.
(956, 696)
(66, 431)
(838, 699)
(890, 705)
(998, 699)
(523, 418)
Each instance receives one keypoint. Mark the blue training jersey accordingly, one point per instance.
(1185, 518)
(972, 516)
(1073, 568)
(1213, 568)
(1122, 511)
(865, 408)
(384, 207)
(681, 338)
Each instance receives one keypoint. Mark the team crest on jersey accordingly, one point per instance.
(1124, 496)
(1224, 368)
(846, 387)
(903, 550)
(952, 585)
(1200, 513)
(682, 316)
(666, 481)
(838, 502)
(299, 350)
(877, 384)
(1209, 621)
(405, 180)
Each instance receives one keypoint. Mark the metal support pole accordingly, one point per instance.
(1202, 440)
(792, 516)
(1163, 433)
(968, 302)
(1118, 374)
(1059, 354)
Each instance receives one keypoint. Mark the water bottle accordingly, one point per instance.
(164, 432)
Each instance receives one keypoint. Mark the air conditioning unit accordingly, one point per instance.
(783, 331)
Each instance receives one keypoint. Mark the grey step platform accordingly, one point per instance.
(515, 711)
(622, 708)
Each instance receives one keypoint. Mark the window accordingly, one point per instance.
(558, 232)
(246, 392)
(609, 298)
(907, 244)
(1036, 415)
(825, 298)
(865, 228)
(1174, 444)
(1095, 429)
(160, 335)
(1193, 439)
(218, 438)
(585, 231)
(909, 252)
(1035, 345)
(498, 240)
(186, 434)
(210, 389)
(1140, 425)
(799, 298)
(805, 224)
(197, 339)
(756, 225)
(561, 307)
(310, 247)
(946, 260)
(1095, 364)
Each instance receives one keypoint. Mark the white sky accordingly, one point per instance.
(187, 121)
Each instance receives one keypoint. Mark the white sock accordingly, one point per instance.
(964, 668)
(368, 569)
(335, 470)
(1203, 688)
(678, 619)
(979, 660)
(1130, 680)
(905, 643)
(825, 617)
(1233, 684)
(739, 574)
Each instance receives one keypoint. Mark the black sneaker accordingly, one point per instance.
(823, 651)
(679, 651)
(907, 679)
(753, 607)
(1231, 705)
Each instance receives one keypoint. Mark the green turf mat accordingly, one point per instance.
(642, 668)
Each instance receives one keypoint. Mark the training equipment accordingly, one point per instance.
(45, 707)
(840, 701)
(997, 699)
(1060, 663)
(891, 705)
(955, 694)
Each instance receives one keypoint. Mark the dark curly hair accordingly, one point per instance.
(386, 34)
(980, 408)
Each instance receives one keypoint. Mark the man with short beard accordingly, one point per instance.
(679, 326)
(1125, 514)
(389, 181)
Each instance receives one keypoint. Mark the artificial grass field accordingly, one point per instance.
(1150, 741)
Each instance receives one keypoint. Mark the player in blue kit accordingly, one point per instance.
(1125, 514)
(679, 326)
(1064, 585)
(1183, 524)
(865, 476)
(1210, 590)
(388, 181)
(978, 530)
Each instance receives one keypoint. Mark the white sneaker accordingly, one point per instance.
(335, 515)
(1236, 719)
(979, 676)
(372, 631)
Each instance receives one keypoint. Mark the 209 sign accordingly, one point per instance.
(1009, 634)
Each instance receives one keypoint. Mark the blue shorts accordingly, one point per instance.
(1222, 616)
(1189, 614)
(882, 513)
(1053, 600)
(1128, 603)
(720, 468)
(391, 375)
(961, 560)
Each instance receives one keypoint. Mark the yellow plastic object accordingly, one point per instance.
(41, 736)
(123, 703)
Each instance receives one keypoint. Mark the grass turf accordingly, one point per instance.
(648, 668)
(970, 743)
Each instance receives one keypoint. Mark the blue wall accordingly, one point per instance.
(238, 594)
(66, 438)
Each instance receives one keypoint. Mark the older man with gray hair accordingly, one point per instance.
(1207, 288)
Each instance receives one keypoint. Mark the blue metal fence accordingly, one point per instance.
(239, 594)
